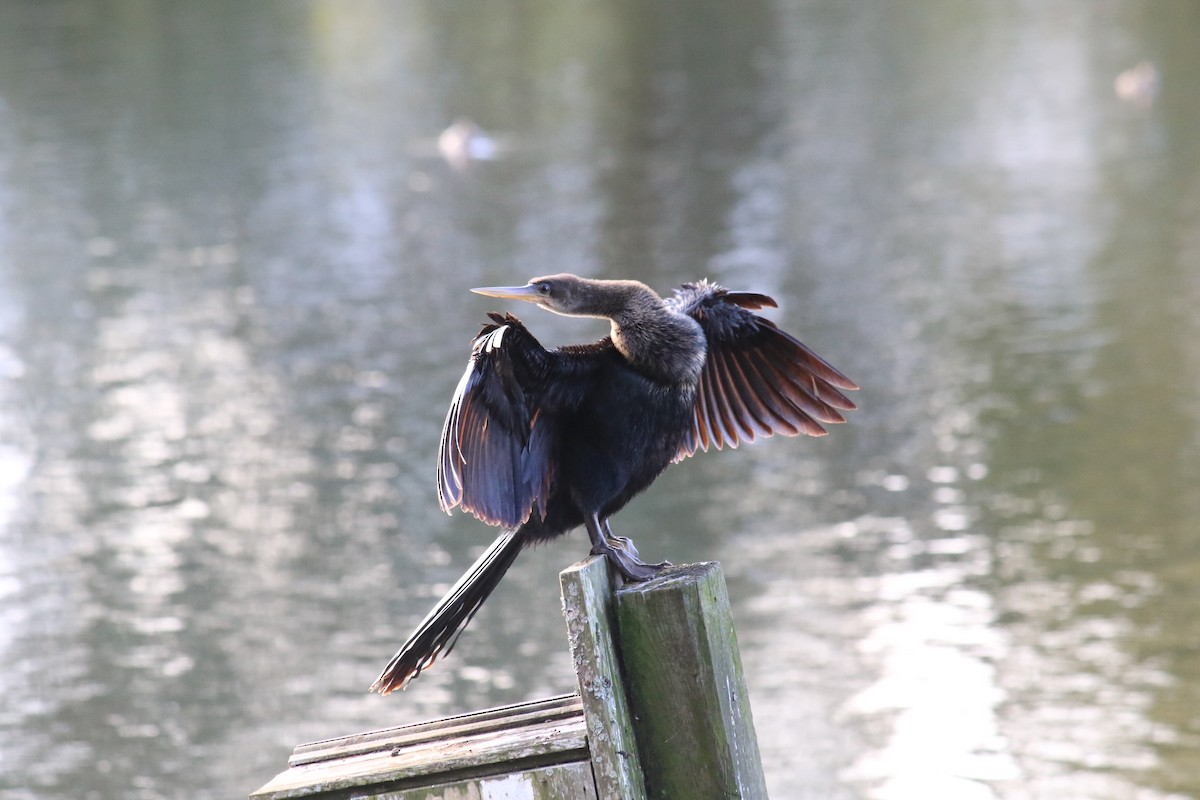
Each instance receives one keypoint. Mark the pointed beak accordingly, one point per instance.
(527, 293)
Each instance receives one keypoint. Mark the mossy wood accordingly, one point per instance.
(691, 709)
(663, 714)
(590, 611)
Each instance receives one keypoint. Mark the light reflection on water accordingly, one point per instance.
(232, 307)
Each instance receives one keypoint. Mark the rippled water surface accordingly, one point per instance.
(233, 306)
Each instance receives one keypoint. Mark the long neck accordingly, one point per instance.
(656, 340)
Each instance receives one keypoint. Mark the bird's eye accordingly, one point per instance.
(543, 288)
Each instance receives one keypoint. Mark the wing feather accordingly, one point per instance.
(771, 413)
(726, 418)
(757, 380)
(496, 458)
(720, 414)
(756, 397)
(799, 394)
(701, 435)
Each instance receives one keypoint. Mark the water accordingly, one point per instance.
(233, 273)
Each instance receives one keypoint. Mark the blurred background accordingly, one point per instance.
(234, 258)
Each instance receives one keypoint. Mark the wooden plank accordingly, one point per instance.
(396, 759)
(563, 782)
(587, 597)
(663, 713)
(492, 719)
(686, 688)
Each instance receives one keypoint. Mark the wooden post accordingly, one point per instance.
(689, 700)
(662, 714)
(589, 607)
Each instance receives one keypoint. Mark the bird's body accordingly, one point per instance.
(604, 461)
(541, 442)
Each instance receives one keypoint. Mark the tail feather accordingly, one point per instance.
(438, 632)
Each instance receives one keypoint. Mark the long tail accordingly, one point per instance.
(439, 630)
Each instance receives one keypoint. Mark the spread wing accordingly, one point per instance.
(496, 455)
(757, 379)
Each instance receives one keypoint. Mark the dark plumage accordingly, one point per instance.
(540, 442)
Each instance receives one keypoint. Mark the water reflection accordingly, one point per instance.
(232, 307)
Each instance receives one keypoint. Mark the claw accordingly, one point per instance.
(626, 544)
(631, 567)
(621, 553)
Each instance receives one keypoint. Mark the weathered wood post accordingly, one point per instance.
(686, 688)
(662, 714)
(590, 610)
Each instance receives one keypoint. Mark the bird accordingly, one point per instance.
(539, 442)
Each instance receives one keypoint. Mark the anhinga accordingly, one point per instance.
(541, 441)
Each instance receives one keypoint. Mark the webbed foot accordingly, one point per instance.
(621, 553)
(624, 543)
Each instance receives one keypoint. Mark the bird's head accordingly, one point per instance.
(573, 296)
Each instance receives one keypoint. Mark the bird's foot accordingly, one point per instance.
(621, 553)
(625, 544)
